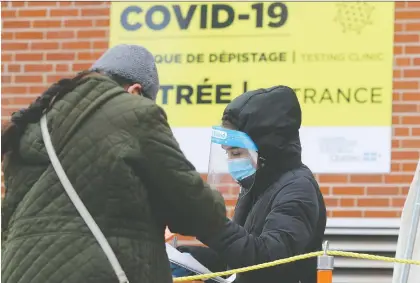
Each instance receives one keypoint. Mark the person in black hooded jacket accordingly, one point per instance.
(282, 212)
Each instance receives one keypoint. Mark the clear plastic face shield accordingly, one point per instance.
(233, 158)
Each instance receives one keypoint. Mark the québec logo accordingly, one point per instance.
(219, 134)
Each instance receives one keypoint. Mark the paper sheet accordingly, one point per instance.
(187, 261)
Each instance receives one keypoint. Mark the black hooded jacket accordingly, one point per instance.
(283, 214)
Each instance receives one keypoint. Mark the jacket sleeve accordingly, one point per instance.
(287, 230)
(183, 201)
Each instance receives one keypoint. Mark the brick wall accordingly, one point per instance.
(44, 41)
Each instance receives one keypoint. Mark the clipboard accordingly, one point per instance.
(187, 261)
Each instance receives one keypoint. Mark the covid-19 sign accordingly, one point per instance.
(336, 56)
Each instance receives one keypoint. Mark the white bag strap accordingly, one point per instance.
(81, 208)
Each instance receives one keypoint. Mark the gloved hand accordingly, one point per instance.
(178, 271)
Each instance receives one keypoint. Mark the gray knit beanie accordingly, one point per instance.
(132, 62)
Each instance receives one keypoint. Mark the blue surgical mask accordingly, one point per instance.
(240, 168)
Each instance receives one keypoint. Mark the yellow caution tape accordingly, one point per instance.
(293, 259)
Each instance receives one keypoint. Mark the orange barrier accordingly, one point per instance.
(325, 266)
(324, 276)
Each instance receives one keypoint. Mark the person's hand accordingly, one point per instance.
(178, 271)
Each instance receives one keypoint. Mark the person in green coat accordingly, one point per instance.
(120, 155)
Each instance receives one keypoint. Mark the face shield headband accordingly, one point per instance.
(233, 150)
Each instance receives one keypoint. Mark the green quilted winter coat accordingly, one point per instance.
(120, 155)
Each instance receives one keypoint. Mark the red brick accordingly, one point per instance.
(413, 4)
(14, 68)
(347, 202)
(382, 190)
(373, 202)
(28, 79)
(411, 119)
(397, 73)
(16, 24)
(13, 89)
(410, 143)
(329, 201)
(76, 45)
(366, 178)
(46, 24)
(102, 23)
(230, 202)
(88, 3)
(6, 57)
(44, 45)
(398, 179)
(94, 33)
(406, 38)
(20, 100)
(8, 14)
(28, 35)
(90, 56)
(415, 131)
(381, 214)
(63, 34)
(404, 155)
(325, 190)
(416, 61)
(224, 190)
(66, 3)
(401, 4)
(29, 57)
(38, 68)
(6, 79)
(398, 49)
(95, 12)
(395, 143)
(32, 13)
(100, 44)
(346, 213)
(412, 73)
(398, 27)
(401, 131)
(14, 46)
(398, 202)
(412, 49)
(403, 61)
(60, 56)
(407, 15)
(415, 26)
(36, 89)
(403, 108)
(78, 23)
(406, 85)
(7, 35)
(64, 12)
(41, 3)
(348, 190)
(411, 96)
(62, 68)
(81, 67)
(338, 178)
(395, 167)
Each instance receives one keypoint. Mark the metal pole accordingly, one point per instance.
(325, 266)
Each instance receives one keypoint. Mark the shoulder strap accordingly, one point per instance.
(81, 208)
